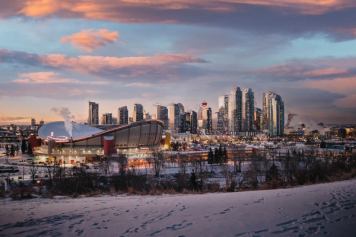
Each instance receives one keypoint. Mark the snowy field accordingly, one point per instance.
(316, 210)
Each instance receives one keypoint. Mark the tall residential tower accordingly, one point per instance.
(93, 118)
(123, 115)
(248, 110)
(137, 113)
(162, 114)
(273, 114)
(235, 111)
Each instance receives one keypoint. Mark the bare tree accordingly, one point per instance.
(230, 182)
(157, 162)
(51, 170)
(182, 162)
(123, 163)
(33, 171)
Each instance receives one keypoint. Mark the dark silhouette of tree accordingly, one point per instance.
(217, 156)
(157, 162)
(224, 155)
(210, 156)
(29, 149)
(273, 173)
(193, 180)
(33, 171)
(7, 148)
(12, 150)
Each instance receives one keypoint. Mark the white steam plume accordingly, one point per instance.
(67, 116)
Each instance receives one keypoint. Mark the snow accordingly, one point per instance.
(58, 130)
(318, 210)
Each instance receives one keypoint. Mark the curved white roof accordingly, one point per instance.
(57, 130)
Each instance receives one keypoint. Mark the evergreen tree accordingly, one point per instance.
(217, 158)
(29, 149)
(23, 146)
(193, 180)
(12, 150)
(224, 155)
(7, 150)
(210, 156)
(220, 154)
(273, 173)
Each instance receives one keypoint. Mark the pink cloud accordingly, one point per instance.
(338, 85)
(306, 16)
(89, 40)
(326, 72)
(130, 67)
(97, 63)
(319, 68)
(42, 78)
(114, 9)
(344, 86)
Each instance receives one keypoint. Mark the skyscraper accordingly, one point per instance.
(220, 120)
(93, 118)
(223, 114)
(33, 122)
(273, 114)
(205, 118)
(184, 122)
(235, 111)
(248, 110)
(106, 119)
(137, 113)
(162, 114)
(123, 115)
(174, 114)
(258, 119)
(193, 122)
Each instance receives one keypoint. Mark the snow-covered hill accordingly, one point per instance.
(317, 210)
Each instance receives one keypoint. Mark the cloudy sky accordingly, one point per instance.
(56, 53)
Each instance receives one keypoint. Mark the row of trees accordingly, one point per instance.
(218, 156)
(194, 173)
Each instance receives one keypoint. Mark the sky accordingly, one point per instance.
(56, 53)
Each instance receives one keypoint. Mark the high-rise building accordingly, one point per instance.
(248, 110)
(174, 115)
(33, 122)
(223, 114)
(184, 122)
(162, 115)
(258, 117)
(93, 118)
(106, 119)
(273, 114)
(235, 111)
(181, 108)
(137, 113)
(220, 120)
(123, 115)
(193, 122)
(205, 118)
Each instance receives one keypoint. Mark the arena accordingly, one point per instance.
(78, 143)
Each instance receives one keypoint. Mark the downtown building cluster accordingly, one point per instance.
(236, 115)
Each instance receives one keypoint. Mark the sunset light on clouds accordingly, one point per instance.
(119, 52)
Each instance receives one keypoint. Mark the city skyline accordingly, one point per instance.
(118, 53)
